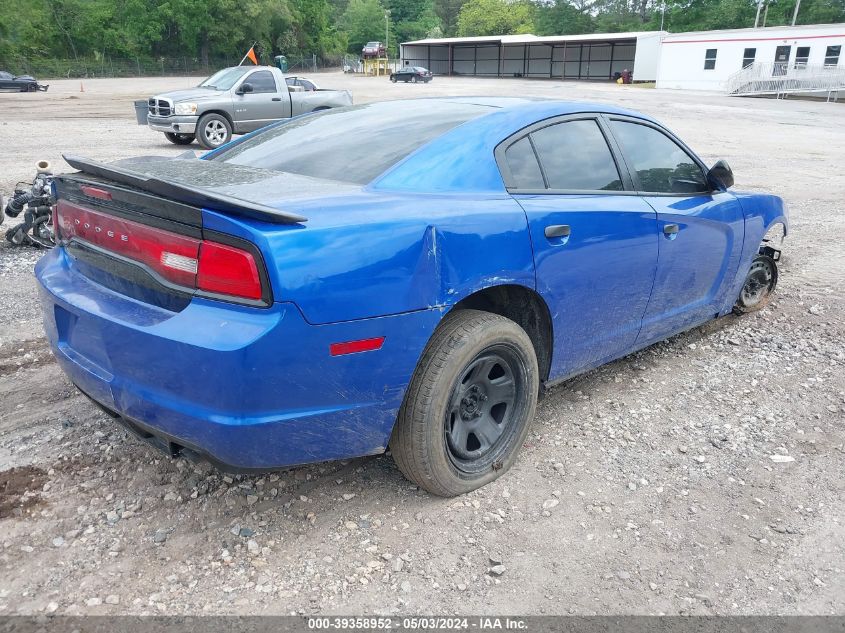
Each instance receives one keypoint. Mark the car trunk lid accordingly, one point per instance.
(136, 226)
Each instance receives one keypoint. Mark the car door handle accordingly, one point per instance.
(277, 98)
(670, 229)
(557, 230)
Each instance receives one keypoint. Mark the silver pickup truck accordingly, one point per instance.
(234, 101)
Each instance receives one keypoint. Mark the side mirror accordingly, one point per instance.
(244, 89)
(720, 175)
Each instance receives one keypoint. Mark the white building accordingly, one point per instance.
(706, 60)
(702, 61)
(591, 56)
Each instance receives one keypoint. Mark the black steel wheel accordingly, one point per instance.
(469, 405)
(482, 408)
(760, 283)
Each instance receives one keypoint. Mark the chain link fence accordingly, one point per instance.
(51, 68)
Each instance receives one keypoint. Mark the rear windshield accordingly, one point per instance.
(352, 144)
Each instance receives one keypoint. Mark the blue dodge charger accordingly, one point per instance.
(408, 274)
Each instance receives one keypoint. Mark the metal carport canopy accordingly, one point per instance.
(587, 56)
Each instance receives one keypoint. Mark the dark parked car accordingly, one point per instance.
(281, 301)
(374, 49)
(414, 74)
(21, 83)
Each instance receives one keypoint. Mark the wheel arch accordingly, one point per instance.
(222, 113)
(525, 307)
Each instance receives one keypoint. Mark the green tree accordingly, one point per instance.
(561, 17)
(496, 17)
(363, 21)
(448, 11)
(412, 20)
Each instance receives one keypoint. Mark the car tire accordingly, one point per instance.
(393, 79)
(759, 285)
(414, 79)
(452, 435)
(32, 87)
(180, 139)
(213, 130)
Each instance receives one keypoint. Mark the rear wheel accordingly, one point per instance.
(759, 285)
(393, 78)
(180, 139)
(469, 405)
(414, 79)
(213, 130)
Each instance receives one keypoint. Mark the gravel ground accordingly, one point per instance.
(703, 475)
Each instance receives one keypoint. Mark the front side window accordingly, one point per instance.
(748, 56)
(710, 59)
(661, 165)
(574, 156)
(831, 55)
(802, 54)
(262, 81)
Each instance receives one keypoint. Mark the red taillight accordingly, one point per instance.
(228, 270)
(185, 261)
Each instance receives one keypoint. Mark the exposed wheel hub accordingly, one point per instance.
(471, 402)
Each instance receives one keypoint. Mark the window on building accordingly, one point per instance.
(748, 56)
(802, 54)
(710, 59)
(661, 165)
(575, 156)
(831, 55)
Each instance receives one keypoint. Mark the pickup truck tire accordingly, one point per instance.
(213, 130)
(180, 139)
(469, 405)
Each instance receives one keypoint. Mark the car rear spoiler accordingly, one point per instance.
(180, 192)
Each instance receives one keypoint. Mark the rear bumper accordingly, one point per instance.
(174, 124)
(249, 388)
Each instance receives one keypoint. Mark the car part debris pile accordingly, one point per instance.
(35, 200)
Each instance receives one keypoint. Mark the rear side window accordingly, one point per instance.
(351, 144)
(574, 155)
(262, 81)
(661, 165)
(523, 165)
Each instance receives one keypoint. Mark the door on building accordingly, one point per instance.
(781, 60)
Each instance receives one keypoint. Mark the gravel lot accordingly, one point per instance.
(703, 475)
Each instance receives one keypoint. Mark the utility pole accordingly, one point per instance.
(757, 17)
(765, 14)
(387, 32)
(795, 14)
(662, 13)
